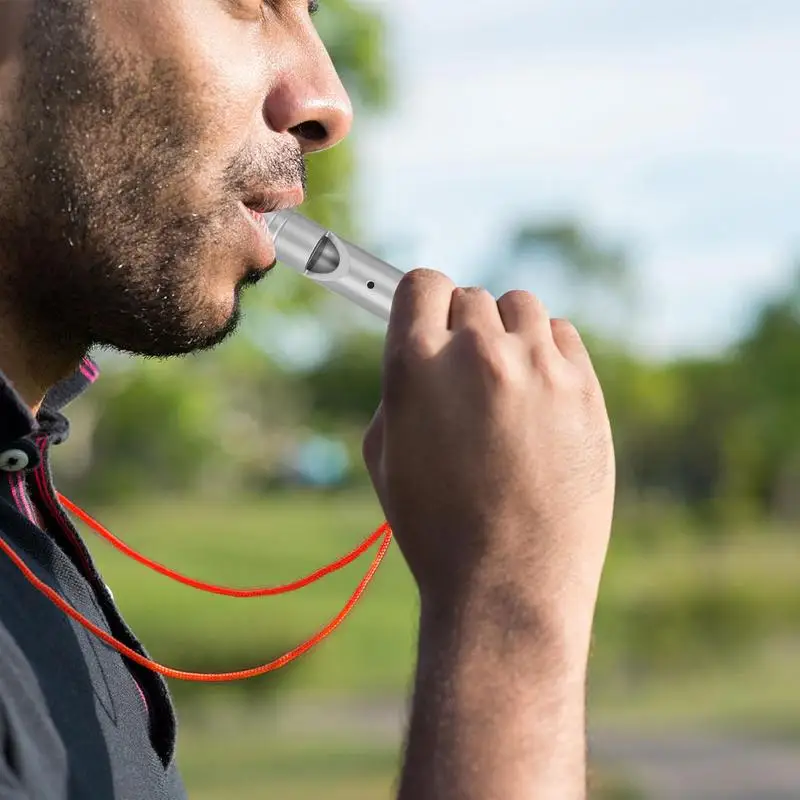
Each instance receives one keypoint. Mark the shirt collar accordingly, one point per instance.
(16, 420)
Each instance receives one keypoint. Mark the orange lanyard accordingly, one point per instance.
(383, 531)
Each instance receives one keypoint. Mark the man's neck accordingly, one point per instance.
(19, 372)
(32, 367)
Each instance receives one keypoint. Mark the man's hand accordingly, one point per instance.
(491, 453)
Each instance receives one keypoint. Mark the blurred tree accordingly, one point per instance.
(720, 434)
(645, 404)
(582, 258)
(135, 452)
(763, 457)
(347, 386)
(589, 273)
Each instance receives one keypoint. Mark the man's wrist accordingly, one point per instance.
(499, 703)
(498, 619)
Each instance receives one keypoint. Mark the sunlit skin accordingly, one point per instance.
(131, 135)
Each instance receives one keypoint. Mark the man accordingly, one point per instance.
(136, 138)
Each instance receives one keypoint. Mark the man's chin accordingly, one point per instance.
(174, 342)
(171, 335)
(209, 336)
(212, 340)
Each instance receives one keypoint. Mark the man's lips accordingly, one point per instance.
(258, 206)
(260, 217)
(263, 202)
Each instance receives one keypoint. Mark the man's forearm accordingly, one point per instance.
(498, 711)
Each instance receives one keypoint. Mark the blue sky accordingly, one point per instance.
(670, 126)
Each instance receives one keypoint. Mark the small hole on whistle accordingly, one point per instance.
(370, 284)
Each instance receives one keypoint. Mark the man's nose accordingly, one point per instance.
(309, 100)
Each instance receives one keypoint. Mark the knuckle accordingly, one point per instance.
(580, 390)
(487, 351)
(552, 373)
(558, 374)
(570, 341)
(522, 297)
(406, 351)
(475, 342)
(419, 345)
(524, 302)
(473, 292)
(424, 277)
(563, 327)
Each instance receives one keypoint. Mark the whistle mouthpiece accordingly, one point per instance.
(340, 266)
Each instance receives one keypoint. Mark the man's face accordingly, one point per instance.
(134, 136)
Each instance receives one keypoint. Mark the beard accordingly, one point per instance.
(115, 221)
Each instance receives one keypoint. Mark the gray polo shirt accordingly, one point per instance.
(78, 721)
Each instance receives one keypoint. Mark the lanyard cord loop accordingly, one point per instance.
(210, 677)
(210, 587)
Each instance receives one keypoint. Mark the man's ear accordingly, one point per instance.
(13, 14)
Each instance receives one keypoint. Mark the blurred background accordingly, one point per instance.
(636, 165)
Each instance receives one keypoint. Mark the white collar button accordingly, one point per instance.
(13, 460)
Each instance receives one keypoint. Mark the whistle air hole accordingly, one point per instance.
(370, 284)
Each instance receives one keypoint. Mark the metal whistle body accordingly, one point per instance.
(336, 264)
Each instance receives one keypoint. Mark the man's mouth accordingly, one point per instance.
(264, 202)
(259, 204)
(259, 216)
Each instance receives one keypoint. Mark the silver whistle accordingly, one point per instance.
(339, 265)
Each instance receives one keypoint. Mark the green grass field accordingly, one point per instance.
(238, 755)
(687, 633)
